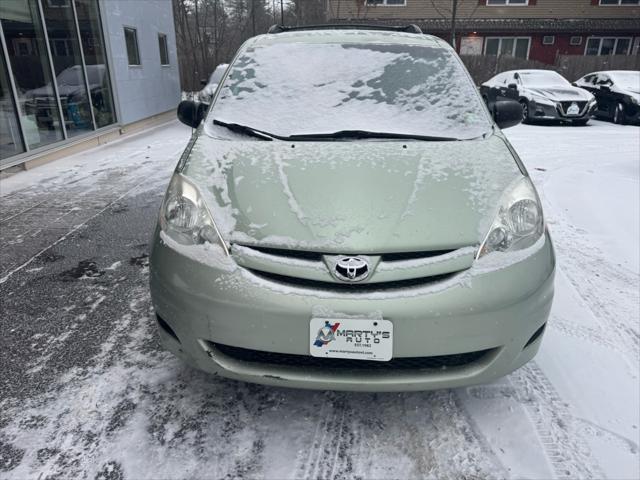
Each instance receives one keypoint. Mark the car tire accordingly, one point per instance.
(618, 114)
(525, 110)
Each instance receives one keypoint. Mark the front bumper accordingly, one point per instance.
(494, 310)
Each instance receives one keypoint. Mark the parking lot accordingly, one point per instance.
(87, 393)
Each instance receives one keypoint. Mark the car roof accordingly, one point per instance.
(611, 71)
(531, 70)
(348, 36)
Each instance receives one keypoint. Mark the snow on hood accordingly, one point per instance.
(353, 197)
(561, 94)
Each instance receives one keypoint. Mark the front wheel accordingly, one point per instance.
(525, 111)
(618, 114)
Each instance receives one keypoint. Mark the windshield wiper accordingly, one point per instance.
(346, 134)
(246, 130)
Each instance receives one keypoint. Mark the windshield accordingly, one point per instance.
(543, 79)
(297, 88)
(217, 74)
(627, 80)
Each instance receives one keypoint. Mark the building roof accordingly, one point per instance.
(515, 25)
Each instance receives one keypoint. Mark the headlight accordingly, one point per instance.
(185, 217)
(543, 100)
(519, 222)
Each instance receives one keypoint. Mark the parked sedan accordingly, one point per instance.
(543, 95)
(358, 222)
(617, 93)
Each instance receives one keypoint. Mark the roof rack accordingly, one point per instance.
(412, 28)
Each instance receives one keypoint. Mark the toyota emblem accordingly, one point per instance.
(352, 269)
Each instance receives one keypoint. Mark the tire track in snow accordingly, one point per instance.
(329, 453)
(412, 435)
(594, 335)
(567, 452)
(609, 291)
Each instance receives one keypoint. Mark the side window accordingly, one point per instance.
(131, 41)
(604, 80)
(164, 49)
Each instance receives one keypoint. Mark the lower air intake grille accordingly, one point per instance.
(341, 364)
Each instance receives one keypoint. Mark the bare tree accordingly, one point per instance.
(209, 32)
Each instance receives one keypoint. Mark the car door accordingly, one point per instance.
(605, 97)
(588, 83)
(508, 89)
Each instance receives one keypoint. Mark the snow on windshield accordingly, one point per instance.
(627, 80)
(299, 88)
(543, 79)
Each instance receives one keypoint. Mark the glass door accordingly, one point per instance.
(10, 136)
(26, 49)
(67, 63)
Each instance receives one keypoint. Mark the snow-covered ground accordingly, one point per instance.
(86, 393)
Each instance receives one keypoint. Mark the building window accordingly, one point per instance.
(574, 41)
(29, 64)
(608, 46)
(513, 46)
(392, 3)
(95, 58)
(131, 39)
(54, 78)
(619, 2)
(507, 2)
(548, 40)
(164, 50)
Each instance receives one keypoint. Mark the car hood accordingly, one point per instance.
(353, 197)
(626, 91)
(561, 94)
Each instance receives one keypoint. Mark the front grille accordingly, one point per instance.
(343, 287)
(566, 105)
(398, 257)
(317, 256)
(297, 254)
(342, 364)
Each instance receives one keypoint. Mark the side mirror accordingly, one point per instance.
(512, 86)
(507, 113)
(203, 82)
(191, 113)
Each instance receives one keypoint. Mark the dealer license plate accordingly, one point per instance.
(573, 109)
(354, 338)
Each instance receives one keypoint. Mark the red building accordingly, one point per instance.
(534, 29)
